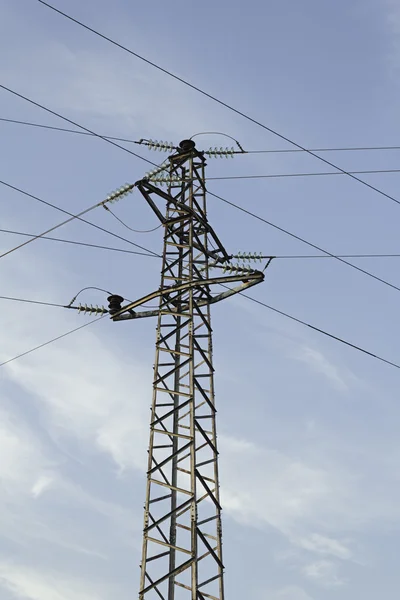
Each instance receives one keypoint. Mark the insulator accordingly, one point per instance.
(114, 303)
(237, 269)
(161, 179)
(92, 310)
(120, 193)
(249, 256)
(160, 146)
(220, 152)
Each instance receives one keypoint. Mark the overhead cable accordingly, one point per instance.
(304, 241)
(59, 337)
(218, 101)
(319, 330)
(272, 151)
(73, 217)
(86, 244)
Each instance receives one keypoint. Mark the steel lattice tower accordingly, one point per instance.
(182, 545)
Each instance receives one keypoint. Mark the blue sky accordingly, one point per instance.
(308, 429)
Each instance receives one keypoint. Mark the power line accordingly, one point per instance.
(218, 101)
(32, 301)
(65, 130)
(313, 327)
(110, 248)
(304, 241)
(6, 362)
(52, 112)
(330, 335)
(273, 151)
(277, 175)
(231, 203)
(346, 149)
(306, 256)
(216, 196)
(283, 175)
(53, 239)
(78, 216)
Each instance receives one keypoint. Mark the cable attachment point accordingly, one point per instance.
(119, 193)
(89, 309)
(157, 145)
(221, 152)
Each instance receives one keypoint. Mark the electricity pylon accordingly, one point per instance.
(182, 544)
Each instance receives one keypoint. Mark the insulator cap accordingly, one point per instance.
(114, 303)
(187, 145)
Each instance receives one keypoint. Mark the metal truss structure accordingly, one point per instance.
(182, 545)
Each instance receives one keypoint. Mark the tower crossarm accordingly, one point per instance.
(179, 291)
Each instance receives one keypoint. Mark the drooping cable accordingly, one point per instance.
(130, 228)
(89, 287)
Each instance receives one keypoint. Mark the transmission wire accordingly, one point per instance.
(304, 241)
(232, 204)
(32, 301)
(218, 101)
(281, 256)
(224, 200)
(53, 239)
(73, 217)
(274, 151)
(52, 112)
(314, 328)
(59, 337)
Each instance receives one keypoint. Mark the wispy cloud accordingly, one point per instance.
(320, 364)
(323, 572)
(322, 544)
(26, 582)
(287, 593)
